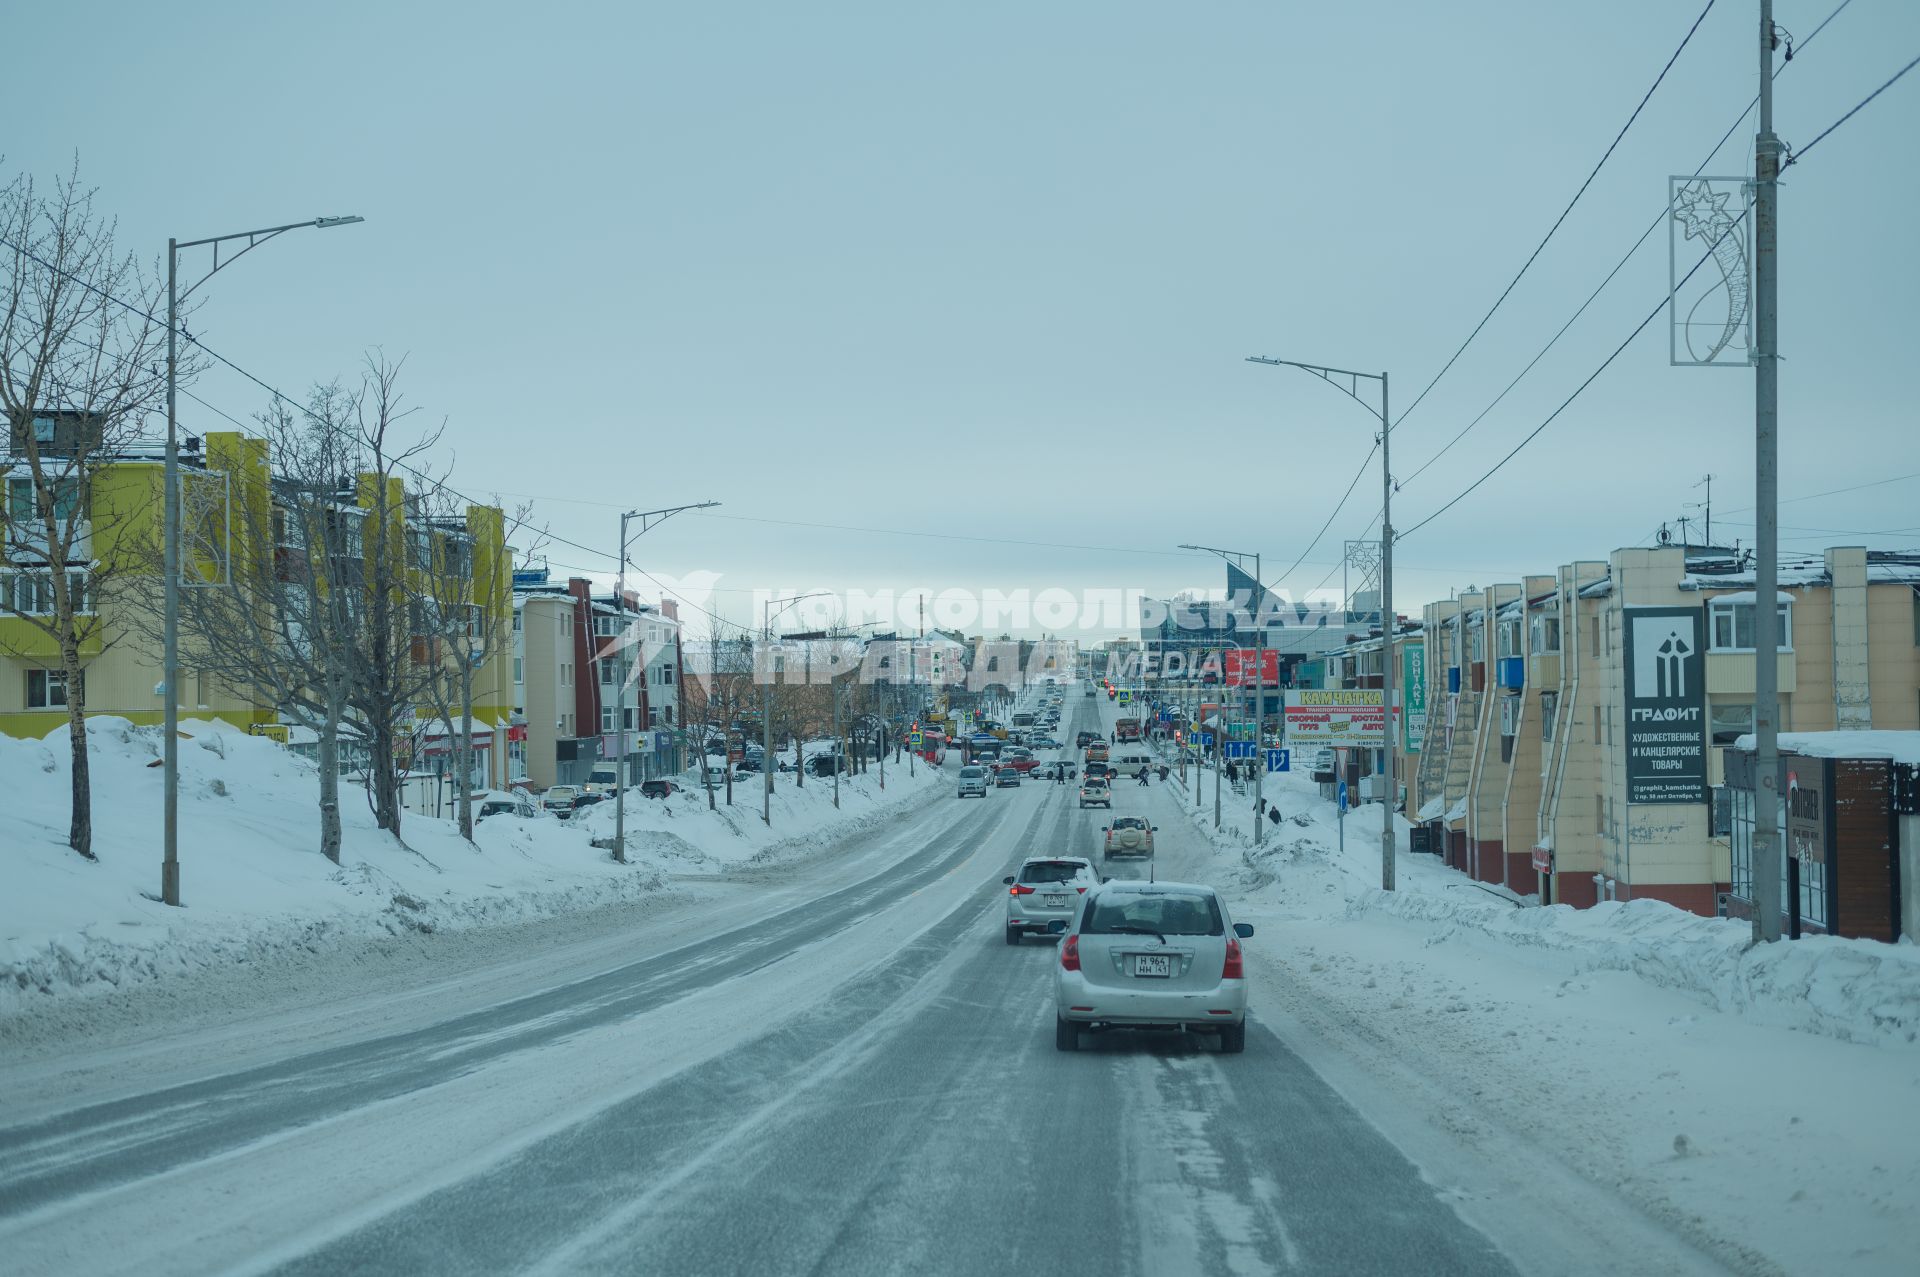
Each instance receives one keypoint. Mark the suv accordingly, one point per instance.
(1095, 792)
(1151, 955)
(659, 789)
(1044, 891)
(1128, 836)
(603, 780)
(973, 782)
(1083, 740)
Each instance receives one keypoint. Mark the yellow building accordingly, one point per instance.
(226, 488)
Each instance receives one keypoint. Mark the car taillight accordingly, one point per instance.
(1233, 970)
(1070, 953)
(1081, 890)
(1018, 890)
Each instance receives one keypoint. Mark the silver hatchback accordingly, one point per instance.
(1151, 955)
(1044, 892)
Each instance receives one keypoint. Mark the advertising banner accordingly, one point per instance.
(1413, 681)
(1241, 667)
(1353, 719)
(1666, 674)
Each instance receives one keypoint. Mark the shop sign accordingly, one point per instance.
(1666, 668)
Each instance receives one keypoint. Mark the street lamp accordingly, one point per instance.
(1239, 559)
(1333, 376)
(649, 519)
(170, 501)
(767, 613)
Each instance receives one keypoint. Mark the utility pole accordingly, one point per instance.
(1387, 670)
(838, 744)
(1766, 483)
(767, 613)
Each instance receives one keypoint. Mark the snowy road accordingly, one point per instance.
(859, 1078)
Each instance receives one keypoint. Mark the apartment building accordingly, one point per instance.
(237, 536)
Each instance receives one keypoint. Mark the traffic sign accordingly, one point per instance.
(1241, 749)
(1125, 696)
(1279, 760)
(1340, 795)
(1205, 739)
(914, 739)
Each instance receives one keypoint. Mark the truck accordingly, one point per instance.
(1126, 729)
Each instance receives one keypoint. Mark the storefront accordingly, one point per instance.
(1839, 827)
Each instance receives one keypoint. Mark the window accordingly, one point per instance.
(1546, 633)
(1549, 710)
(1593, 641)
(517, 619)
(47, 689)
(1599, 814)
(666, 673)
(566, 624)
(42, 429)
(566, 673)
(1476, 644)
(653, 716)
(1731, 625)
(31, 593)
(607, 720)
(1729, 722)
(606, 671)
(23, 508)
(1509, 637)
(1162, 913)
(519, 667)
(1596, 724)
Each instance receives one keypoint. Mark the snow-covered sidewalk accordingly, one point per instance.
(256, 888)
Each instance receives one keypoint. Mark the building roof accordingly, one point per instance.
(1901, 747)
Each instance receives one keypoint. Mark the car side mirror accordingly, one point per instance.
(1056, 927)
(1243, 929)
(1008, 881)
(1154, 830)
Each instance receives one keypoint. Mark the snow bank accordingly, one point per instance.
(255, 886)
(1854, 990)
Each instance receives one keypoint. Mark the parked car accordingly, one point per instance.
(559, 799)
(747, 766)
(973, 782)
(603, 780)
(494, 803)
(1150, 955)
(1044, 891)
(588, 797)
(660, 788)
(1095, 792)
(826, 764)
(715, 777)
(1128, 836)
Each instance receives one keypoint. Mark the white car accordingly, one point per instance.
(1151, 955)
(1095, 792)
(494, 803)
(559, 799)
(973, 782)
(1045, 891)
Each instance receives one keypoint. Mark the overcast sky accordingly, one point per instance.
(990, 270)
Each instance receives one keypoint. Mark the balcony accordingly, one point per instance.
(1731, 673)
(1512, 672)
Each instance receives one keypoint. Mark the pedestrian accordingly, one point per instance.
(1141, 776)
(1164, 770)
(1233, 772)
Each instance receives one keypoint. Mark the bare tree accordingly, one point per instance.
(461, 592)
(284, 626)
(720, 690)
(393, 670)
(79, 368)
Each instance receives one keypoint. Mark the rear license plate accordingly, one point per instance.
(1054, 902)
(1153, 964)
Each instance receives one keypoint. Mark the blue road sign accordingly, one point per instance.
(1279, 760)
(1340, 792)
(1241, 749)
(1206, 739)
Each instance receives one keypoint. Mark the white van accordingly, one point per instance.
(1129, 762)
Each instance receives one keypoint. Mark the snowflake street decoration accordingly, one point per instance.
(1709, 233)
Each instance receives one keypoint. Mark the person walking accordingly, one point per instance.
(1141, 775)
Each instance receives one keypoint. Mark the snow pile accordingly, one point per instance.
(255, 887)
(1854, 990)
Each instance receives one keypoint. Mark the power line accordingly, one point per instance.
(1618, 266)
(1538, 248)
(1565, 403)
(1794, 157)
(1357, 475)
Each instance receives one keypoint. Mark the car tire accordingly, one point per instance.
(1233, 1038)
(1013, 935)
(1066, 1034)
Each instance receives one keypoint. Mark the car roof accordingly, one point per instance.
(1141, 887)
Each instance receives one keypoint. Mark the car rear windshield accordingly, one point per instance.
(972, 773)
(1050, 871)
(1167, 913)
(1130, 822)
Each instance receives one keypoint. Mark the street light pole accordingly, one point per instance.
(1767, 892)
(1333, 377)
(648, 519)
(170, 534)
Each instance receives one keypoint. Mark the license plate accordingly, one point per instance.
(1153, 964)
(1054, 902)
